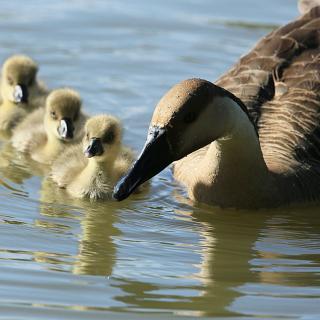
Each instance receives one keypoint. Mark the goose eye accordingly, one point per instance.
(189, 117)
(53, 115)
(10, 81)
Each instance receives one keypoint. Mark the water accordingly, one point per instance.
(154, 256)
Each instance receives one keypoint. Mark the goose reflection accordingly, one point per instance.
(289, 248)
(250, 255)
(244, 256)
(228, 247)
(223, 266)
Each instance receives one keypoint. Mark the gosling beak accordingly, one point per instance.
(155, 156)
(65, 129)
(20, 94)
(94, 148)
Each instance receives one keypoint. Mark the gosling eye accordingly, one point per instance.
(87, 136)
(108, 137)
(31, 82)
(53, 115)
(190, 117)
(10, 81)
(76, 115)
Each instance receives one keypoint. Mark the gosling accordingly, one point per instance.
(20, 91)
(45, 133)
(92, 169)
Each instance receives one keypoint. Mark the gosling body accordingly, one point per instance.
(45, 133)
(91, 170)
(20, 91)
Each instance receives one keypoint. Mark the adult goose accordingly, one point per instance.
(250, 140)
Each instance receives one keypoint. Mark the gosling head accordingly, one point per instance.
(18, 81)
(189, 116)
(63, 107)
(102, 138)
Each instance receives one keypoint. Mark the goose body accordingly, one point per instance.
(21, 92)
(250, 140)
(47, 132)
(91, 169)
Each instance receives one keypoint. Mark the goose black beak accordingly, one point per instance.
(94, 148)
(155, 156)
(65, 128)
(20, 93)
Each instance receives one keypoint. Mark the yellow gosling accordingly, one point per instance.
(92, 169)
(20, 90)
(45, 133)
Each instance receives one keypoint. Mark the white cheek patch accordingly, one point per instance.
(17, 94)
(63, 129)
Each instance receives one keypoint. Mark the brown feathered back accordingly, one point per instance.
(279, 82)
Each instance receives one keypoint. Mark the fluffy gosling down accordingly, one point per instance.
(45, 133)
(20, 90)
(92, 169)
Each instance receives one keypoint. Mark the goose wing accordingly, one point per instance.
(279, 82)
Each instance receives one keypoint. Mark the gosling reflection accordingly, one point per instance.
(4, 135)
(96, 249)
(12, 167)
(16, 167)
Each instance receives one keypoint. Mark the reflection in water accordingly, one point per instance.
(12, 165)
(242, 254)
(16, 166)
(4, 135)
(224, 266)
(289, 248)
(228, 247)
(245, 252)
(96, 252)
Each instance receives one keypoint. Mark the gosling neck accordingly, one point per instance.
(104, 163)
(53, 146)
(8, 104)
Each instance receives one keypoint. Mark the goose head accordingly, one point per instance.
(18, 81)
(102, 138)
(189, 116)
(61, 120)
